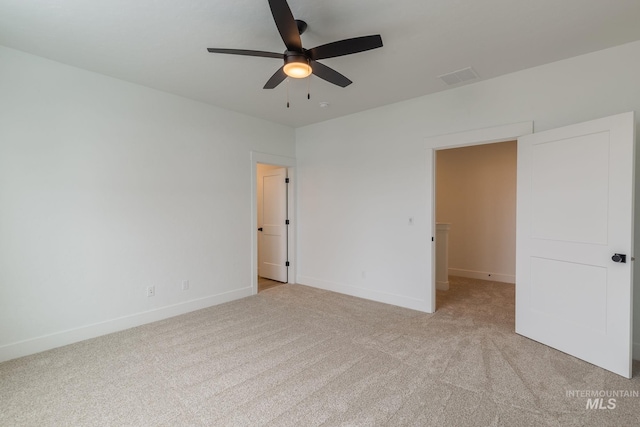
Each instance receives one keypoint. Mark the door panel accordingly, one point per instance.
(580, 301)
(577, 166)
(575, 210)
(273, 237)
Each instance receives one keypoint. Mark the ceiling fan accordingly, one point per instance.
(300, 62)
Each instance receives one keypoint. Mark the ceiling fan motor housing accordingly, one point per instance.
(292, 56)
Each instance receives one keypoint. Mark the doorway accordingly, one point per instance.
(475, 204)
(287, 164)
(463, 139)
(272, 225)
(572, 294)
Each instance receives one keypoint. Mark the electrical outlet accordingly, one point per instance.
(185, 285)
(151, 291)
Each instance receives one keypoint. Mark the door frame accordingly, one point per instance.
(455, 140)
(289, 163)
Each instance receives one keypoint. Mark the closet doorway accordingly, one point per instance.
(476, 196)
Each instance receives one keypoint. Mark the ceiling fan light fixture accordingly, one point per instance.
(297, 66)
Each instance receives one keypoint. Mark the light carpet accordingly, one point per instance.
(299, 356)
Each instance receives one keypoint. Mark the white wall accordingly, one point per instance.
(108, 187)
(476, 193)
(361, 176)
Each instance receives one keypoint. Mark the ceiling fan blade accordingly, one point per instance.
(329, 74)
(277, 78)
(345, 47)
(247, 52)
(286, 24)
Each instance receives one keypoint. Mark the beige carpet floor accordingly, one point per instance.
(298, 356)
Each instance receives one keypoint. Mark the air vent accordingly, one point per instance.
(455, 77)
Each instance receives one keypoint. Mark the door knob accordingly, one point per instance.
(622, 258)
(260, 229)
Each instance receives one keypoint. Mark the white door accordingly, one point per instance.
(575, 211)
(272, 239)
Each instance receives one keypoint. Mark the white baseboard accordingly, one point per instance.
(393, 299)
(59, 339)
(483, 275)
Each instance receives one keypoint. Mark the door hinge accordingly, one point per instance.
(432, 239)
(286, 222)
(286, 264)
(286, 180)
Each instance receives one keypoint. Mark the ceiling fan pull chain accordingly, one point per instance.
(309, 82)
(287, 93)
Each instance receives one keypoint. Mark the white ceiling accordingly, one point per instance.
(162, 44)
